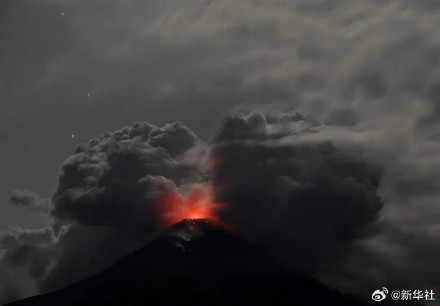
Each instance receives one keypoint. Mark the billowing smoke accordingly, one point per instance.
(114, 180)
(30, 200)
(304, 197)
(26, 256)
(354, 207)
(106, 206)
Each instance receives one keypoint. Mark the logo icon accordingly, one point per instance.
(379, 295)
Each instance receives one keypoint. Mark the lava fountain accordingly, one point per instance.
(197, 204)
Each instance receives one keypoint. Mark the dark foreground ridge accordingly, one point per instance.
(195, 262)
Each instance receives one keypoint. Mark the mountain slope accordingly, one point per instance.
(196, 262)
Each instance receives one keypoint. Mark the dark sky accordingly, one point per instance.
(367, 70)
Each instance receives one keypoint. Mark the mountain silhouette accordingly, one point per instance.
(195, 262)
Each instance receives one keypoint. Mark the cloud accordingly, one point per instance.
(26, 258)
(304, 198)
(351, 64)
(30, 200)
(356, 208)
(114, 180)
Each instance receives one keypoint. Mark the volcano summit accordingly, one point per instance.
(195, 262)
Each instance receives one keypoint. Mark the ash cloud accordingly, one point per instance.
(305, 198)
(30, 200)
(26, 258)
(104, 208)
(113, 180)
(353, 207)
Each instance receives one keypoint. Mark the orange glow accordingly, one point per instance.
(198, 204)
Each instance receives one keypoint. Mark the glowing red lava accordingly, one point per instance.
(198, 204)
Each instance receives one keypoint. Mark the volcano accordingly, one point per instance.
(195, 262)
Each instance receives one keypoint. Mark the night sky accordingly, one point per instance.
(324, 116)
